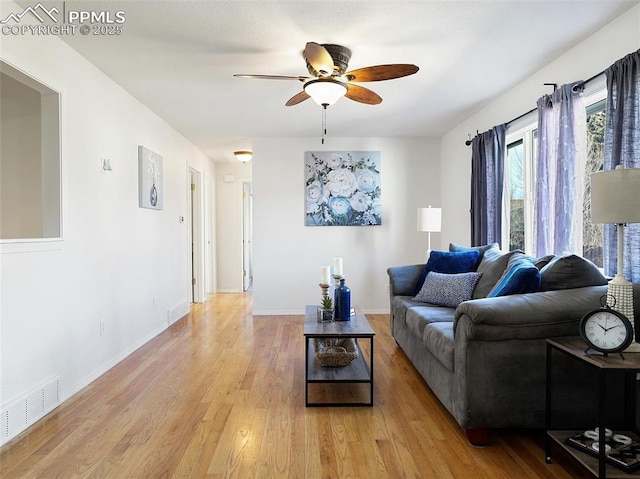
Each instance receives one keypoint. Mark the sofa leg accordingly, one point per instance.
(477, 437)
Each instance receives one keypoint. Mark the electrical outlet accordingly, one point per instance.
(102, 321)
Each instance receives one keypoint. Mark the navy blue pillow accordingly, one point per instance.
(521, 276)
(449, 263)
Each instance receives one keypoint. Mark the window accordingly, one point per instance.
(520, 186)
(29, 157)
(593, 233)
(515, 171)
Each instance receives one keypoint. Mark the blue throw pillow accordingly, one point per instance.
(521, 276)
(447, 289)
(448, 262)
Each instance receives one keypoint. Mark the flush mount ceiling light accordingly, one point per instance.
(325, 92)
(243, 156)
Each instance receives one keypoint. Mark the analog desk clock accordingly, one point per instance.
(606, 330)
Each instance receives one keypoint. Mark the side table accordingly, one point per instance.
(603, 366)
(359, 371)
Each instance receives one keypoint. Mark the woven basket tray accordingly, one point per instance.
(335, 352)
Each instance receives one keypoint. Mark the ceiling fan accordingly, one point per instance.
(327, 64)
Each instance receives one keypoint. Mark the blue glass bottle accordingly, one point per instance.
(342, 302)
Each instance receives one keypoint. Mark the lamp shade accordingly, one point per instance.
(429, 219)
(243, 156)
(325, 91)
(615, 196)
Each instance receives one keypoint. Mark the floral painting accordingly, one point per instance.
(149, 179)
(343, 188)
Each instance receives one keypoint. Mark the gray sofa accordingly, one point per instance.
(485, 358)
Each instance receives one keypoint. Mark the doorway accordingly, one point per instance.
(247, 236)
(196, 235)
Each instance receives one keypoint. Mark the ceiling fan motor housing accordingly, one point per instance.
(340, 56)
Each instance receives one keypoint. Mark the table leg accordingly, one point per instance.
(371, 371)
(306, 371)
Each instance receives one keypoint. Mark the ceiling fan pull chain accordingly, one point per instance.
(324, 122)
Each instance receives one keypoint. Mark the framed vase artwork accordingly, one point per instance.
(149, 179)
(343, 188)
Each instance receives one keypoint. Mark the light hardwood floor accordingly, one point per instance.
(221, 394)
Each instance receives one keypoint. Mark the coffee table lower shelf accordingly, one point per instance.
(356, 372)
(589, 461)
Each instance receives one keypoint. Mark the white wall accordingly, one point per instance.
(591, 56)
(117, 262)
(288, 255)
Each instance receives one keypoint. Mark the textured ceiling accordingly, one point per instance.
(179, 57)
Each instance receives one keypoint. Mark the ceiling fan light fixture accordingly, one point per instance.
(243, 156)
(325, 92)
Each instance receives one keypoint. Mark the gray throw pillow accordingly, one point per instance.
(543, 261)
(447, 289)
(481, 249)
(493, 264)
(571, 271)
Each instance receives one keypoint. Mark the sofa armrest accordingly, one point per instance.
(527, 316)
(403, 280)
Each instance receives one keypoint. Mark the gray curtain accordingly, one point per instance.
(488, 152)
(622, 147)
(559, 171)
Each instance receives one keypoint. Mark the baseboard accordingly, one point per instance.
(298, 312)
(84, 382)
(63, 393)
(279, 312)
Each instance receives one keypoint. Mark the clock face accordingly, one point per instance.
(606, 331)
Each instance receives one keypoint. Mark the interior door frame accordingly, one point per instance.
(247, 233)
(196, 233)
(210, 235)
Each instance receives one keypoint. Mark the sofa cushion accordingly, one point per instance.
(521, 276)
(448, 289)
(420, 316)
(448, 262)
(493, 264)
(438, 339)
(400, 305)
(570, 271)
(479, 249)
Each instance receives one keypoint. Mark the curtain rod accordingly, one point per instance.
(555, 85)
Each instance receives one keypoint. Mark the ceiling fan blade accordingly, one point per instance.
(272, 77)
(363, 95)
(319, 59)
(298, 98)
(381, 72)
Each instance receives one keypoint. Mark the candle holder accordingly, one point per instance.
(325, 290)
(336, 280)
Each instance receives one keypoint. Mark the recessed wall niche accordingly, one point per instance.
(29, 157)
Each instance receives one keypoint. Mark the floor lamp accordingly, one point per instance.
(429, 219)
(615, 198)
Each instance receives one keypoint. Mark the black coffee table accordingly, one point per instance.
(359, 371)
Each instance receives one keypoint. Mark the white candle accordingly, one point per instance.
(337, 266)
(325, 275)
